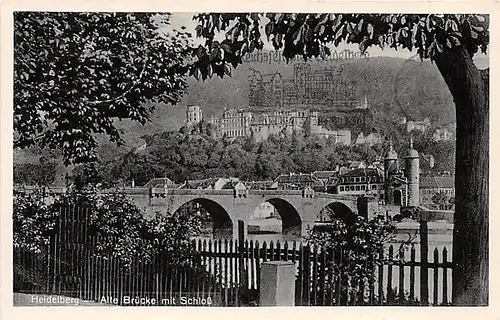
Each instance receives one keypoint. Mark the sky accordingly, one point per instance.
(185, 19)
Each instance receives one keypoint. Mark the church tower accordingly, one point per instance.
(412, 172)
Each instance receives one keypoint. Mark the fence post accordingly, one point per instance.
(424, 271)
(241, 262)
(277, 284)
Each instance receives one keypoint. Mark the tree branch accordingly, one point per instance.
(135, 82)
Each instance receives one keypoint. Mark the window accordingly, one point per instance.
(352, 188)
(363, 187)
(363, 179)
(374, 187)
(341, 188)
(358, 188)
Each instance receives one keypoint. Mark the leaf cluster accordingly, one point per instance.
(75, 74)
(122, 230)
(312, 35)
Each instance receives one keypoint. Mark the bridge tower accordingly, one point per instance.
(412, 168)
(390, 162)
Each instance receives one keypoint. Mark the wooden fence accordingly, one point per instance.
(227, 272)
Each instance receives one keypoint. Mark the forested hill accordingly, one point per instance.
(414, 85)
(394, 87)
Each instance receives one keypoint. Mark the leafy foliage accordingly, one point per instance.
(76, 73)
(34, 220)
(169, 235)
(39, 174)
(358, 244)
(442, 200)
(311, 35)
(121, 227)
(181, 156)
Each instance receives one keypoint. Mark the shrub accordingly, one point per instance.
(34, 220)
(121, 227)
(354, 247)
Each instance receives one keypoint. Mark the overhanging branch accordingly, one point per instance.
(134, 82)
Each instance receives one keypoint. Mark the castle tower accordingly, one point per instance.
(412, 175)
(194, 115)
(300, 74)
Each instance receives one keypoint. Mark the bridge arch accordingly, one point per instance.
(290, 218)
(222, 224)
(339, 210)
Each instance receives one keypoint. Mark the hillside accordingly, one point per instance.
(394, 87)
(406, 87)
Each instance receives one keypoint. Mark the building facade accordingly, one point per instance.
(442, 135)
(370, 139)
(392, 187)
(326, 91)
(194, 115)
(411, 125)
(306, 86)
(236, 123)
(362, 182)
(298, 181)
(431, 185)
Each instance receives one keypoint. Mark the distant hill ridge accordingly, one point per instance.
(394, 87)
(400, 87)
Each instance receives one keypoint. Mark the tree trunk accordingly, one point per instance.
(470, 90)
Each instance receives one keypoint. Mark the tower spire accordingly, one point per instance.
(365, 105)
(411, 141)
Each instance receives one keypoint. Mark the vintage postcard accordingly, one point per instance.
(206, 158)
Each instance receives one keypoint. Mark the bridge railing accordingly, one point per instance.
(161, 192)
(190, 192)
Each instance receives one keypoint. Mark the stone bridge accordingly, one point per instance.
(299, 209)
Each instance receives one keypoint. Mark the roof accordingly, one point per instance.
(391, 154)
(324, 174)
(204, 183)
(363, 172)
(357, 164)
(231, 184)
(374, 175)
(438, 182)
(300, 178)
(259, 184)
(412, 153)
(158, 183)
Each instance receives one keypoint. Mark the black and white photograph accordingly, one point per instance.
(250, 159)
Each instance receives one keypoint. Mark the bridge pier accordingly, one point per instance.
(305, 226)
(298, 230)
(228, 230)
(236, 231)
